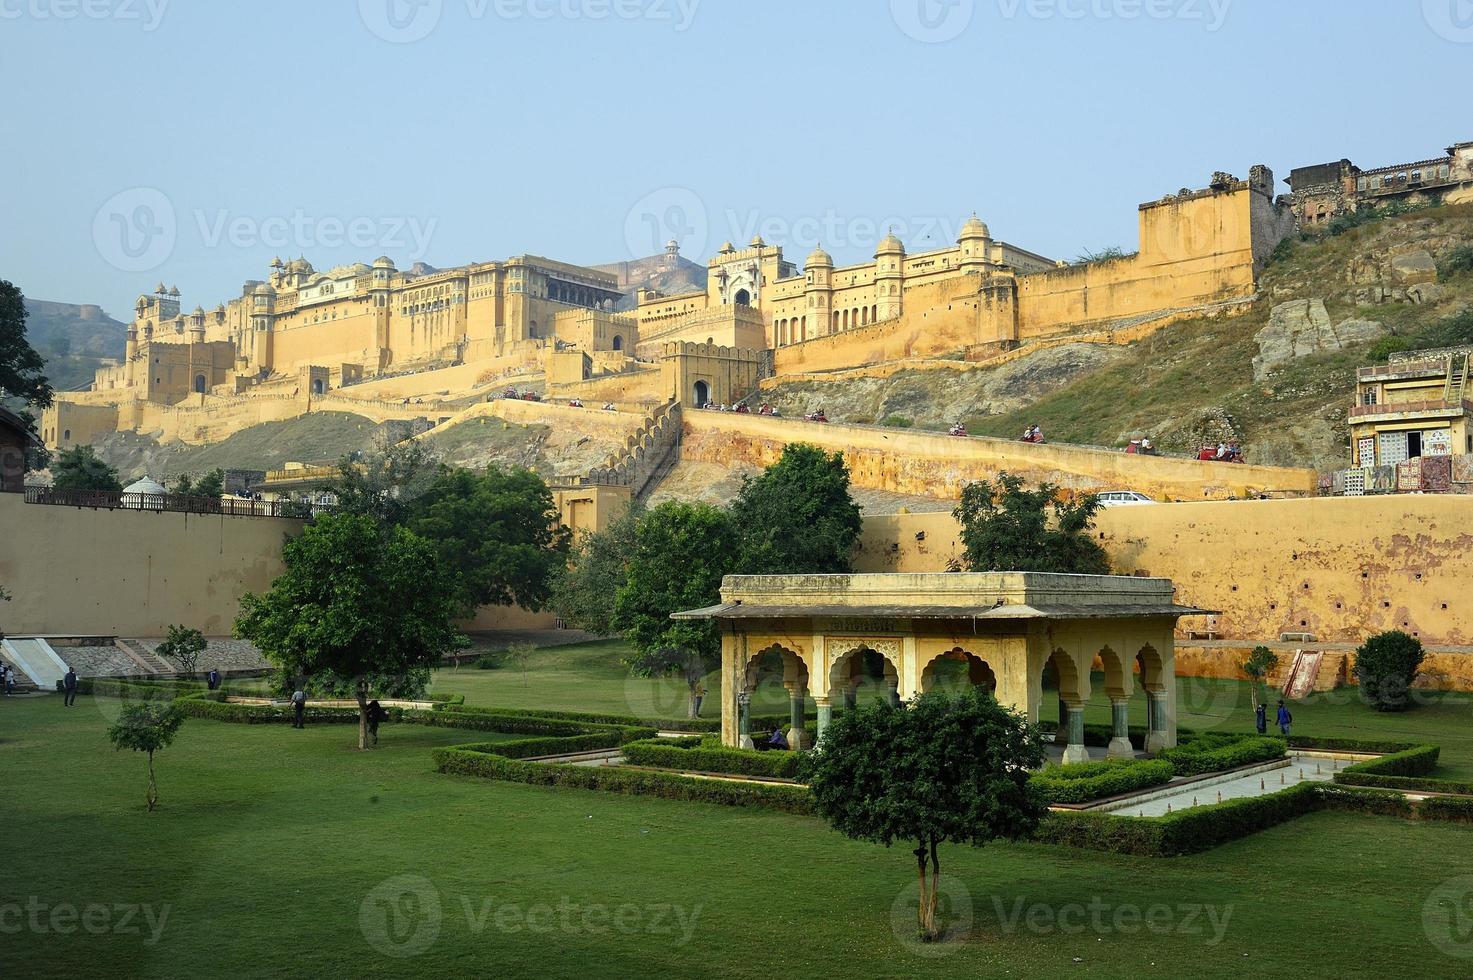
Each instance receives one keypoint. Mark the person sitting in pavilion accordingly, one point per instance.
(777, 740)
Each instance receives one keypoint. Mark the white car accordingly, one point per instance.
(1123, 498)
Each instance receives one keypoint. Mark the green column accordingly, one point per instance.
(825, 715)
(1120, 747)
(795, 733)
(744, 720)
(893, 692)
(1074, 750)
(1158, 734)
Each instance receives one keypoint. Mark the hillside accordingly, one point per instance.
(1195, 380)
(75, 338)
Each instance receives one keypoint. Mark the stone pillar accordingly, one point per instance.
(1157, 735)
(892, 691)
(850, 698)
(744, 721)
(797, 737)
(1074, 750)
(1120, 747)
(825, 715)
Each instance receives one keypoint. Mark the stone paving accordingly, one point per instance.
(1271, 777)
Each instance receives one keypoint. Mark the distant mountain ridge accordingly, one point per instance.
(75, 338)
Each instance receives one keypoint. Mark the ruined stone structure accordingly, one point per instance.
(1325, 191)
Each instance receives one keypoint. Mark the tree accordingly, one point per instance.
(147, 726)
(80, 468)
(20, 364)
(184, 645)
(584, 590)
(1260, 663)
(939, 770)
(1006, 527)
(681, 553)
(497, 532)
(1385, 667)
(797, 516)
(382, 484)
(356, 600)
(212, 484)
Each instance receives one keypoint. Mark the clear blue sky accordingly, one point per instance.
(539, 126)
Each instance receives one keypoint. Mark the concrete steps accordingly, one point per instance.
(144, 657)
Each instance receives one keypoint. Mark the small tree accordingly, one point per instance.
(681, 553)
(80, 468)
(184, 645)
(1260, 663)
(358, 601)
(1006, 528)
(1385, 666)
(940, 770)
(147, 726)
(519, 655)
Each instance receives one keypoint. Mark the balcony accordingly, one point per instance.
(1432, 408)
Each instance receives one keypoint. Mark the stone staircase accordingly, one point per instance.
(144, 657)
(1311, 671)
(648, 454)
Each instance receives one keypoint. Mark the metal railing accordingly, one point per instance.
(172, 503)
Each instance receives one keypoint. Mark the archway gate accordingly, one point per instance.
(1006, 627)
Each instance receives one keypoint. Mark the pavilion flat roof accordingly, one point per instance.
(742, 610)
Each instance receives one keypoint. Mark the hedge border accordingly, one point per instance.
(1097, 780)
(699, 756)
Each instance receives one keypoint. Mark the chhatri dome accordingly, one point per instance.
(818, 257)
(144, 485)
(890, 244)
(975, 228)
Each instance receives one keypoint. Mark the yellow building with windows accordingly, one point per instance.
(1415, 405)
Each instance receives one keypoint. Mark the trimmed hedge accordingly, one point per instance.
(526, 748)
(698, 755)
(1217, 753)
(1405, 771)
(1348, 744)
(113, 687)
(260, 714)
(593, 718)
(1082, 782)
(1449, 808)
(631, 782)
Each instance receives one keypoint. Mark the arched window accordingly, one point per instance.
(703, 393)
(318, 387)
(66, 435)
(618, 342)
(743, 298)
(199, 384)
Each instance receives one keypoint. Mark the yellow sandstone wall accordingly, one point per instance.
(1340, 568)
(940, 465)
(130, 573)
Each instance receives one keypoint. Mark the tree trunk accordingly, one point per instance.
(153, 787)
(935, 888)
(362, 714)
(923, 924)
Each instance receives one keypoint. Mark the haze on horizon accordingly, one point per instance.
(189, 142)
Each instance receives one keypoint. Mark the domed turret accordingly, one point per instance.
(890, 245)
(974, 228)
(264, 289)
(818, 257)
(383, 262)
(757, 242)
(174, 291)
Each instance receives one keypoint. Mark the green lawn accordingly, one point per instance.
(274, 850)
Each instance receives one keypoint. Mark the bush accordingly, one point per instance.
(1446, 808)
(897, 421)
(1385, 666)
(631, 782)
(700, 755)
(1094, 780)
(1458, 262)
(488, 661)
(1219, 752)
(1382, 349)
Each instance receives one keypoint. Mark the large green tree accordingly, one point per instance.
(20, 365)
(797, 516)
(681, 552)
(356, 600)
(212, 484)
(1386, 665)
(1007, 527)
(80, 468)
(496, 532)
(583, 592)
(382, 484)
(939, 770)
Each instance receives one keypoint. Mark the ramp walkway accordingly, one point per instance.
(34, 657)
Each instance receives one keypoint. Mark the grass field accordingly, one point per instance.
(277, 852)
(283, 853)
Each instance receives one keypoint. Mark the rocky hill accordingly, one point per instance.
(75, 338)
(1279, 377)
